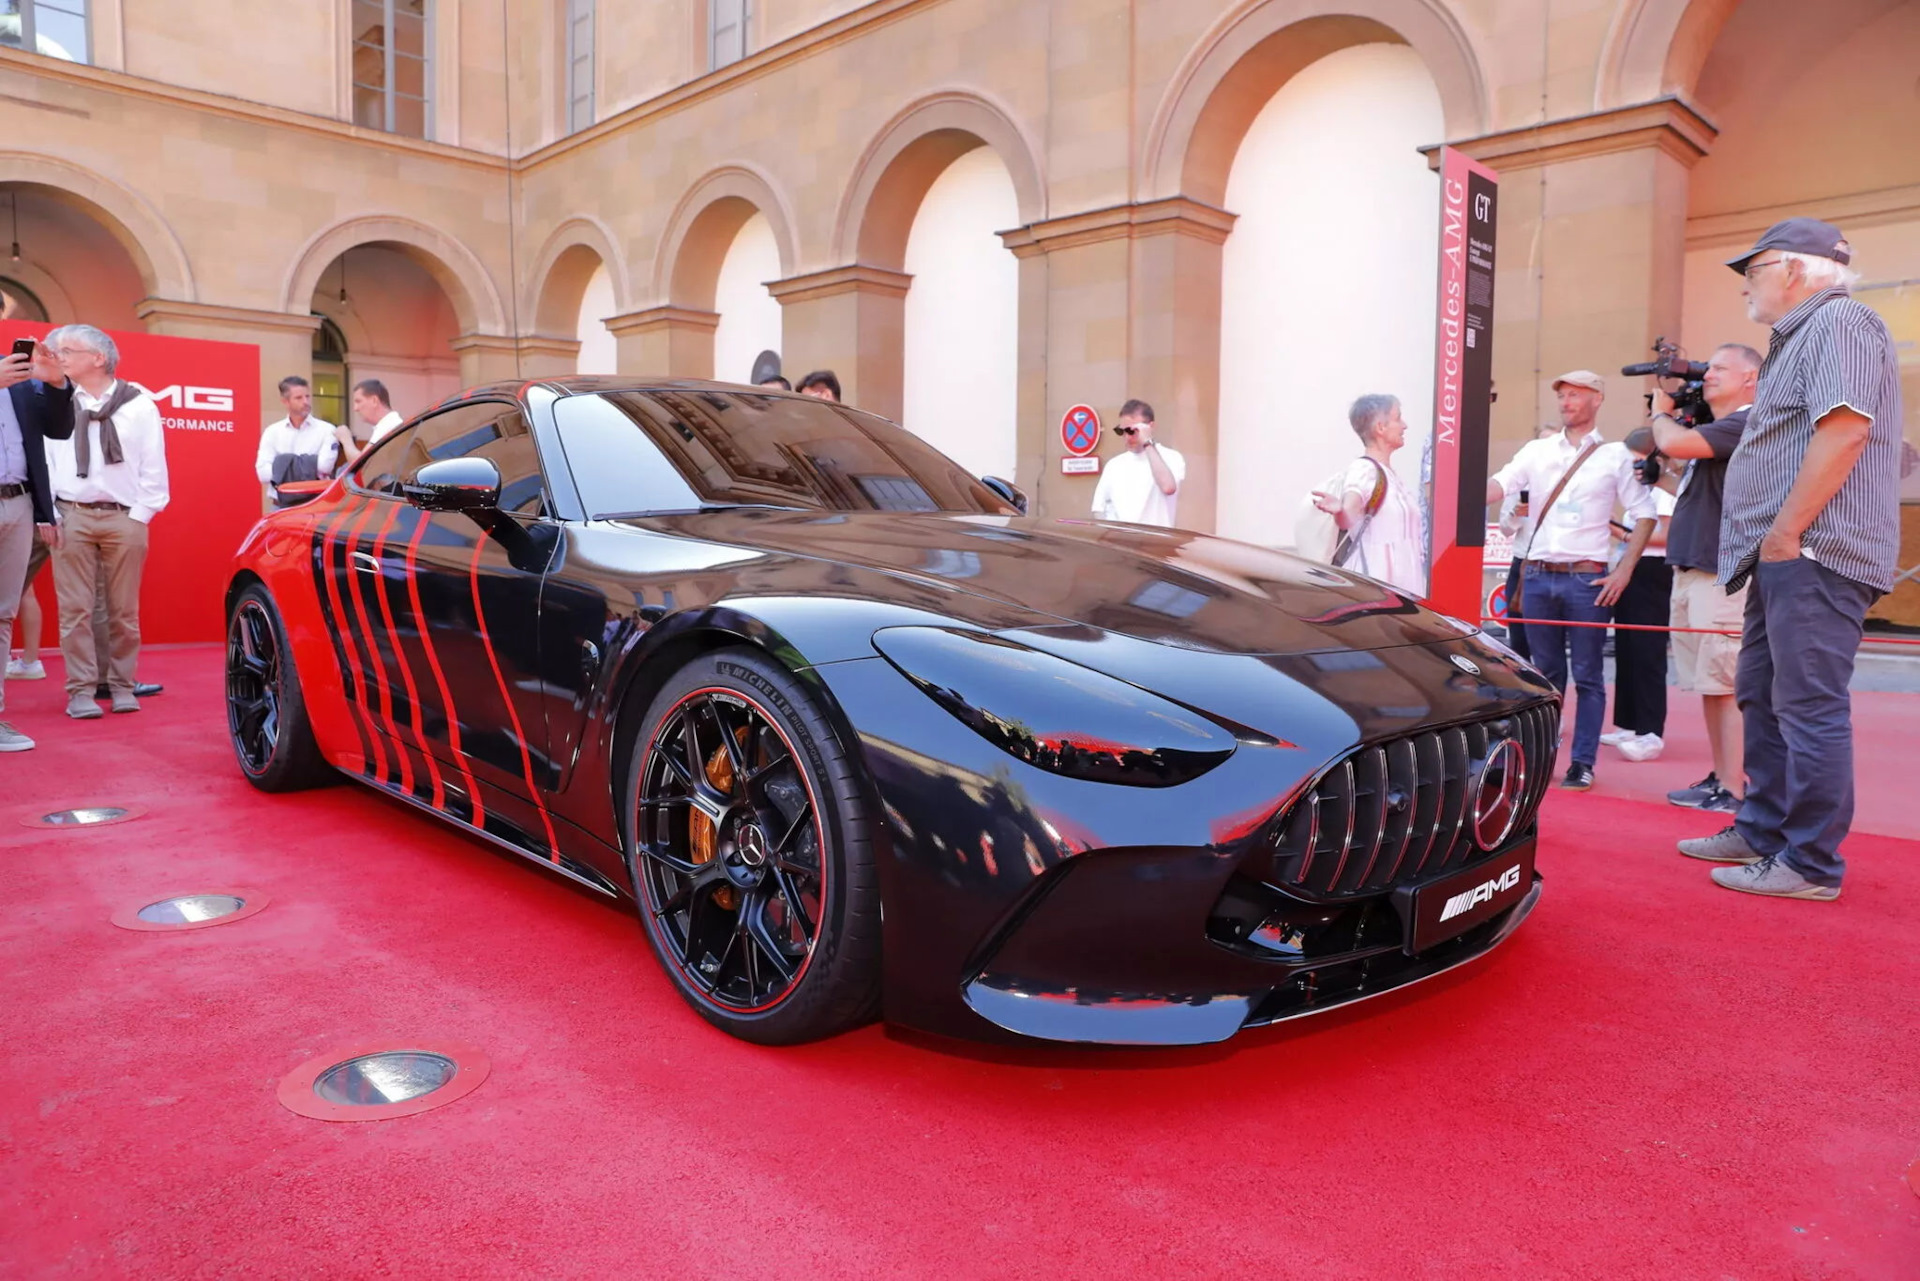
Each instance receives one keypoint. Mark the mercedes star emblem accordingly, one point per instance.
(1466, 665)
(1496, 797)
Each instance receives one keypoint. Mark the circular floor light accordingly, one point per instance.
(379, 1082)
(82, 817)
(194, 910)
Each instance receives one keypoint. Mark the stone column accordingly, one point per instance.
(1117, 303)
(851, 320)
(487, 358)
(669, 341)
(546, 356)
(285, 340)
(1592, 224)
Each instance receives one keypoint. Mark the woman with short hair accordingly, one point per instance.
(1380, 520)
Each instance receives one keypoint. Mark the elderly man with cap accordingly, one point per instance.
(1811, 518)
(1573, 480)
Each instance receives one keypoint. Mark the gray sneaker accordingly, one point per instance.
(12, 740)
(1724, 846)
(1772, 877)
(82, 708)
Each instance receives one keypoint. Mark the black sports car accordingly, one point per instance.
(856, 738)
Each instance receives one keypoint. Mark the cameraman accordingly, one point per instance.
(1707, 663)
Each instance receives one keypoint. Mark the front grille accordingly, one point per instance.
(1399, 810)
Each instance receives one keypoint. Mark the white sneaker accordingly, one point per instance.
(1641, 747)
(23, 671)
(1615, 737)
(12, 740)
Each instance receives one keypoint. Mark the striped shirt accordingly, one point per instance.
(1828, 352)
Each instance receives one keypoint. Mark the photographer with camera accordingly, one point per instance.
(1707, 663)
(1576, 479)
(1812, 520)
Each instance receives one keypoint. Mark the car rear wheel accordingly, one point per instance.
(751, 853)
(266, 715)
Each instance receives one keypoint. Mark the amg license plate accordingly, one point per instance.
(1454, 904)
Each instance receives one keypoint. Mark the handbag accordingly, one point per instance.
(1514, 605)
(1350, 541)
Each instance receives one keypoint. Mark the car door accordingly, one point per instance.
(445, 608)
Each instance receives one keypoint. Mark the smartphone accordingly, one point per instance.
(1617, 525)
(23, 347)
(1524, 496)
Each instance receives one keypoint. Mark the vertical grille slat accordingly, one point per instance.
(1345, 836)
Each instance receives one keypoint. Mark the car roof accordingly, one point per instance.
(571, 384)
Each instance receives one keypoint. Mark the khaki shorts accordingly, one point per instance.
(1707, 663)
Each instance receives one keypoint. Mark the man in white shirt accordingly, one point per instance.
(375, 407)
(109, 481)
(1566, 578)
(1141, 486)
(299, 433)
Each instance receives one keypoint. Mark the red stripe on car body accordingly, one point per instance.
(506, 696)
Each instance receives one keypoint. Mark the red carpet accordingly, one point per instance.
(1655, 1078)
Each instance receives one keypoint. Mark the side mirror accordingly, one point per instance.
(1007, 490)
(455, 485)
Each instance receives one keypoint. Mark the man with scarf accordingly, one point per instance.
(109, 481)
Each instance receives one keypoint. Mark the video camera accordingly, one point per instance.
(1690, 398)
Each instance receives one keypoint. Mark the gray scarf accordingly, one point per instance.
(123, 391)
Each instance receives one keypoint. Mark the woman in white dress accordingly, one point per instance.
(1375, 510)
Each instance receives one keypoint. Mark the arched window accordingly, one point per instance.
(17, 302)
(329, 373)
(52, 28)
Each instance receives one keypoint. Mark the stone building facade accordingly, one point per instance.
(198, 170)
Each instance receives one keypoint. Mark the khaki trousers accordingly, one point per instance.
(99, 547)
(16, 546)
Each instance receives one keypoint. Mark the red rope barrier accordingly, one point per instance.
(1651, 627)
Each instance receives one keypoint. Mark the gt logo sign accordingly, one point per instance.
(213, 399)
(1480, 893)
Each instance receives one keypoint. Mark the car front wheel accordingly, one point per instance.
(266, 714)
(751, 853)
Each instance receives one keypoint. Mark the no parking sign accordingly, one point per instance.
(1080, 434)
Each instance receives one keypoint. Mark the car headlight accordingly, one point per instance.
(1053, 714)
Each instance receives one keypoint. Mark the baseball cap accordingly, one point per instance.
(1581, 378)
(1798, 236)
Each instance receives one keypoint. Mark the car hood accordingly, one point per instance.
(1171, 587)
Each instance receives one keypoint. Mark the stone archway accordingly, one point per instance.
(156, 253)
(458, 270)
(577, 254)
(1657, 47)
(908, 154)
(1233, 72)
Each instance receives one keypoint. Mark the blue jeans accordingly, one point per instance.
(1570, 597)
(1802, 632)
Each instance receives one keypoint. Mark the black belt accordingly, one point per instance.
(96, 507)
(14, 491)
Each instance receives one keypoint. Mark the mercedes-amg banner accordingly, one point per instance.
(1463, 383)
(208, 394)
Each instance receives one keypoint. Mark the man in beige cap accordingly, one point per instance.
(1572, 481)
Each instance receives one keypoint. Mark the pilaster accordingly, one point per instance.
(674, 342)
(851, 320)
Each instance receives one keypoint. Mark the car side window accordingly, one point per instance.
(490, 429)
(617, 468)
(378, 470)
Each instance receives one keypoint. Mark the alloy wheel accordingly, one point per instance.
(253, 685)
(729, 851)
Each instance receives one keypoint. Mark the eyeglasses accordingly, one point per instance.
(1756, 266)
(1126, 431)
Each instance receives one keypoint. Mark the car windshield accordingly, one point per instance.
(693, 449)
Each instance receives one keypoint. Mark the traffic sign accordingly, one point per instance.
(1080, 430)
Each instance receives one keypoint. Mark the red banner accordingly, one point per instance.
(209, 399)
(1463, 382)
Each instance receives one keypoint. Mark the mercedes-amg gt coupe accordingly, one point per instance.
(856, 738)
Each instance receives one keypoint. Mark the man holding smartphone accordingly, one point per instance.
(38, 406)
(1142, 485)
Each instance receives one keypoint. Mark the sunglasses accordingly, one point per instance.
(1126, 431)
